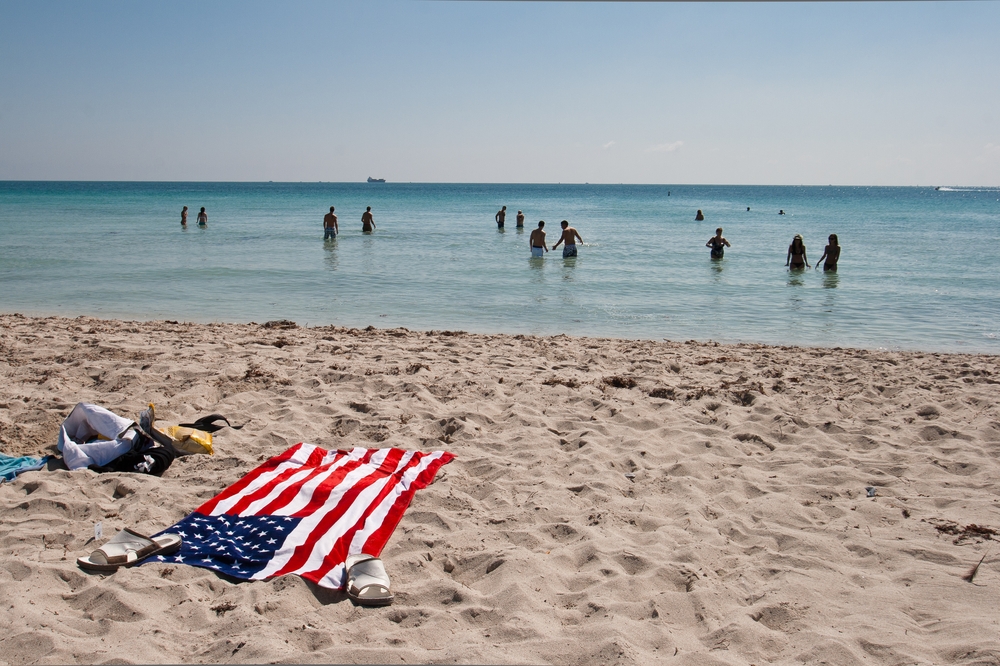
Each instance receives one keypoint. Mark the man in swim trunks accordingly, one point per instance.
(500, 216)
(330, 228)
(537, 240)
(367, 221)
(569, 236)
(520, 220)
(718, 244)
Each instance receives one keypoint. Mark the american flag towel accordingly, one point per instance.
(304, 512)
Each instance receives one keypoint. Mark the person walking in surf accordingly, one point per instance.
(368, 221)
(718, 244)
(796, 259)
(832, 254)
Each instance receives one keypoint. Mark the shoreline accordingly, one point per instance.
(343, 328)
(611, 500)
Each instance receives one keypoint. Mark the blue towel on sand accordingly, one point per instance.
(11, 467)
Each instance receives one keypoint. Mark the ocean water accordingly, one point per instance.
(917, 270)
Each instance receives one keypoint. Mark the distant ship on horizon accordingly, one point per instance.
(375, 180)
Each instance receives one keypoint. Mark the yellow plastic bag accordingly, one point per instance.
(188, 440)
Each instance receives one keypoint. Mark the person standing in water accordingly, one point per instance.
(330, 228)
(537, 240)
(203, 218)
(520, 220)
(569, 236)
(184, 217)
(698, 217)
(718, 244)
(500, 217)
(831, 253)
(796, 259)
(367, 221)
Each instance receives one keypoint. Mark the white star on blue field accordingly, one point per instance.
(237, 546)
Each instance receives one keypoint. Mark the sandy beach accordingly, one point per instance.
(611, 501)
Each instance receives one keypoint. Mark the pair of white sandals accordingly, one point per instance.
(367, 581)
(127, 548)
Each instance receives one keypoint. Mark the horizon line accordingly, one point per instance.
(431, 182)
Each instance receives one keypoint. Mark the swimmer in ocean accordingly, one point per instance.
(184, 217)
(500, 217)
(569, 236)
(698, 217)
(537, 240)
(330, 227)
(796, 259)
(718, 244)
(520, 220)
(203, 218)
(831, 253)
(368, 221)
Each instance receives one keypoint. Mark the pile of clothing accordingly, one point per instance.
(100, 440)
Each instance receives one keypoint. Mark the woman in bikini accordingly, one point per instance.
(796, 259)
(831, 253)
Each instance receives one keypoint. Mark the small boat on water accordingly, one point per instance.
(375, 180)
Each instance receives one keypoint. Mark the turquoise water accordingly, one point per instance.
(917, 270)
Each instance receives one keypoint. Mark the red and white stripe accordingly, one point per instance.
(348, 502)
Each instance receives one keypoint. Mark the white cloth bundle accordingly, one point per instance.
(87, 422)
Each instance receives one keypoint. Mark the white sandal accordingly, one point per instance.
(367, 581)
(127, 548)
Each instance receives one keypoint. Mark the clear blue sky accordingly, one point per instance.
(900, 93)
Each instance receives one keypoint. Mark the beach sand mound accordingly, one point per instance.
(612, 501)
